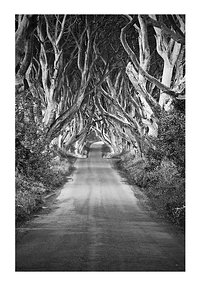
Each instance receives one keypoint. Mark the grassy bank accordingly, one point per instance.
(34, 187)
(164, 186)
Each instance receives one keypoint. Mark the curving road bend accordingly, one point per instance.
(96, 224)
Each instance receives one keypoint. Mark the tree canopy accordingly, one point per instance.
(111, 75)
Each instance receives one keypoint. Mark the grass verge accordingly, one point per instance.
(163, 186)
(31, 193)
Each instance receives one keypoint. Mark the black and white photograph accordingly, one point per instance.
(100, 142)
(99, 145)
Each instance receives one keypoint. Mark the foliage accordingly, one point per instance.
(163, 185)
(37, 171)
(105, 150)
(29, 196)
(170, 143)
(32, 187)
(165, 168)
(162, 174)
(71, 73)
(166, 189)
(134, 167)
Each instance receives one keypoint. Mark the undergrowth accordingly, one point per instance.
(161, 175)
(32, 189)
(40, 168)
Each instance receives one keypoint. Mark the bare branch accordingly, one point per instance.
(61, 31)
(137, 65)
(170, 33)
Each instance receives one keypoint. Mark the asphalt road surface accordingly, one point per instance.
(97, 224)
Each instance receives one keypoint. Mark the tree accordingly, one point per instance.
(82, 78)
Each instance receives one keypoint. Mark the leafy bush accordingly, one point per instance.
(166, 189)
(165, 168)
(134, 168)
(29, 197)
(162, 174)
(30, 190)
(170, 143)
(37, 171)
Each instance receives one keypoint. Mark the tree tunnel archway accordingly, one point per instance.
(75, 75)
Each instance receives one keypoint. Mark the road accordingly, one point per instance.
(97, 224)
